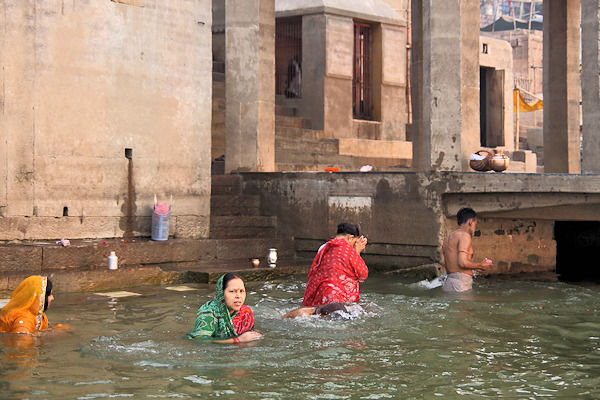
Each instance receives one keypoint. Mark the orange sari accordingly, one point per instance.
(24, 313)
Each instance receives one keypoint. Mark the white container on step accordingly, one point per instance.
(272, 258)
(113, 261)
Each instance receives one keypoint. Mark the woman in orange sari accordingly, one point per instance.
(25, 312)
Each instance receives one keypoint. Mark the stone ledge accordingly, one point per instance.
(94, 279)
(418, 273)
(248, 274)
(29, 258)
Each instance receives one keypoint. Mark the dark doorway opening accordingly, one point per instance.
(577, 250)
(288, 56)
(362, 83)
(491, 107)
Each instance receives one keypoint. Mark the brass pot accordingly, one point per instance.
(499, 161)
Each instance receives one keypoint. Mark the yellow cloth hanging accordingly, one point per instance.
(525, 106)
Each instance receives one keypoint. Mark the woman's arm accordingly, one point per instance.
(243, 338)
(358, 264)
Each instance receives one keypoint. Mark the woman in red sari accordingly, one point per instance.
(337, 269)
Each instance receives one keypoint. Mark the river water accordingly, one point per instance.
(506, 339)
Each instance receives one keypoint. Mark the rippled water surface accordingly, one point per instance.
(507, 339)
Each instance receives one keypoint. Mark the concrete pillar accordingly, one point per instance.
(250, 85)
(339, 50)
(590, 85)
(313, 68)
(561, 86)
(445, 83)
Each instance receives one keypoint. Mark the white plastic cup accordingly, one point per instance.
(113, 261)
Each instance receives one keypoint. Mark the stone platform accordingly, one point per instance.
(82, 266)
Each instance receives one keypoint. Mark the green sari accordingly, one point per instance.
(213, 320)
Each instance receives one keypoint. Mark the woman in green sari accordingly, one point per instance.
(225, 318)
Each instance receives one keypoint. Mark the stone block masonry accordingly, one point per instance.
(406, 215)
(104, 104)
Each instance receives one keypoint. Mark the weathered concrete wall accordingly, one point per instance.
(250, 88)
(402, 228)
(590, 84)
(407, 215)
(445, 93)
(469, 67)
(339, 44)
(562, 86)
(82, 82)
(394, 114)
(313, 69)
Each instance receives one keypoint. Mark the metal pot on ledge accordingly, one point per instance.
(499, 161)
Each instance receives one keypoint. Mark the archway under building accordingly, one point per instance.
(577, 250)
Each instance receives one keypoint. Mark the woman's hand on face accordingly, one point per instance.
(360, 244)
(250, 336)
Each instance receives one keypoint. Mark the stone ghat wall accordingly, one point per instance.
(407, 215)
(104, 104)
(514, 245)
(390, 210)
(83, 265)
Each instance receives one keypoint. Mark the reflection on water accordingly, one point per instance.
(505, 339)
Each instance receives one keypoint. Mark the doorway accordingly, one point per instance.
(577, 247)
(362, 82)
(491, 107)
(288, 57)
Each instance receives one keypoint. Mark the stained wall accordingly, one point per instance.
(84, 80)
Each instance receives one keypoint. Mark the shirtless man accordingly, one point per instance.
(458, 252)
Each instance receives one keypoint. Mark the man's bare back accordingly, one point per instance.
(456, 245)
(458, 250)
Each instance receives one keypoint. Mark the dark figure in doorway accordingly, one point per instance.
(294, 79)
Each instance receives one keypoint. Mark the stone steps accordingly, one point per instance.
(82, 266)
(226, 185)
(393, 165)
(327, 146)
(218, 76)
(286, 111)
(218, 88)
(219, 66)
(287, 132)
(344, 162)
(234, 215)
(293, 122)
(242, 226)
(201, 275)
(222, 205)
(35, 258)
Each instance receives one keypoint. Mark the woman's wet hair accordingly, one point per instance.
(229, 277)
(346, 228)
(48, 293)
(330, 308)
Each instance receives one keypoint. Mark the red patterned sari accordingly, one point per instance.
(243, 320)
(335, 275)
